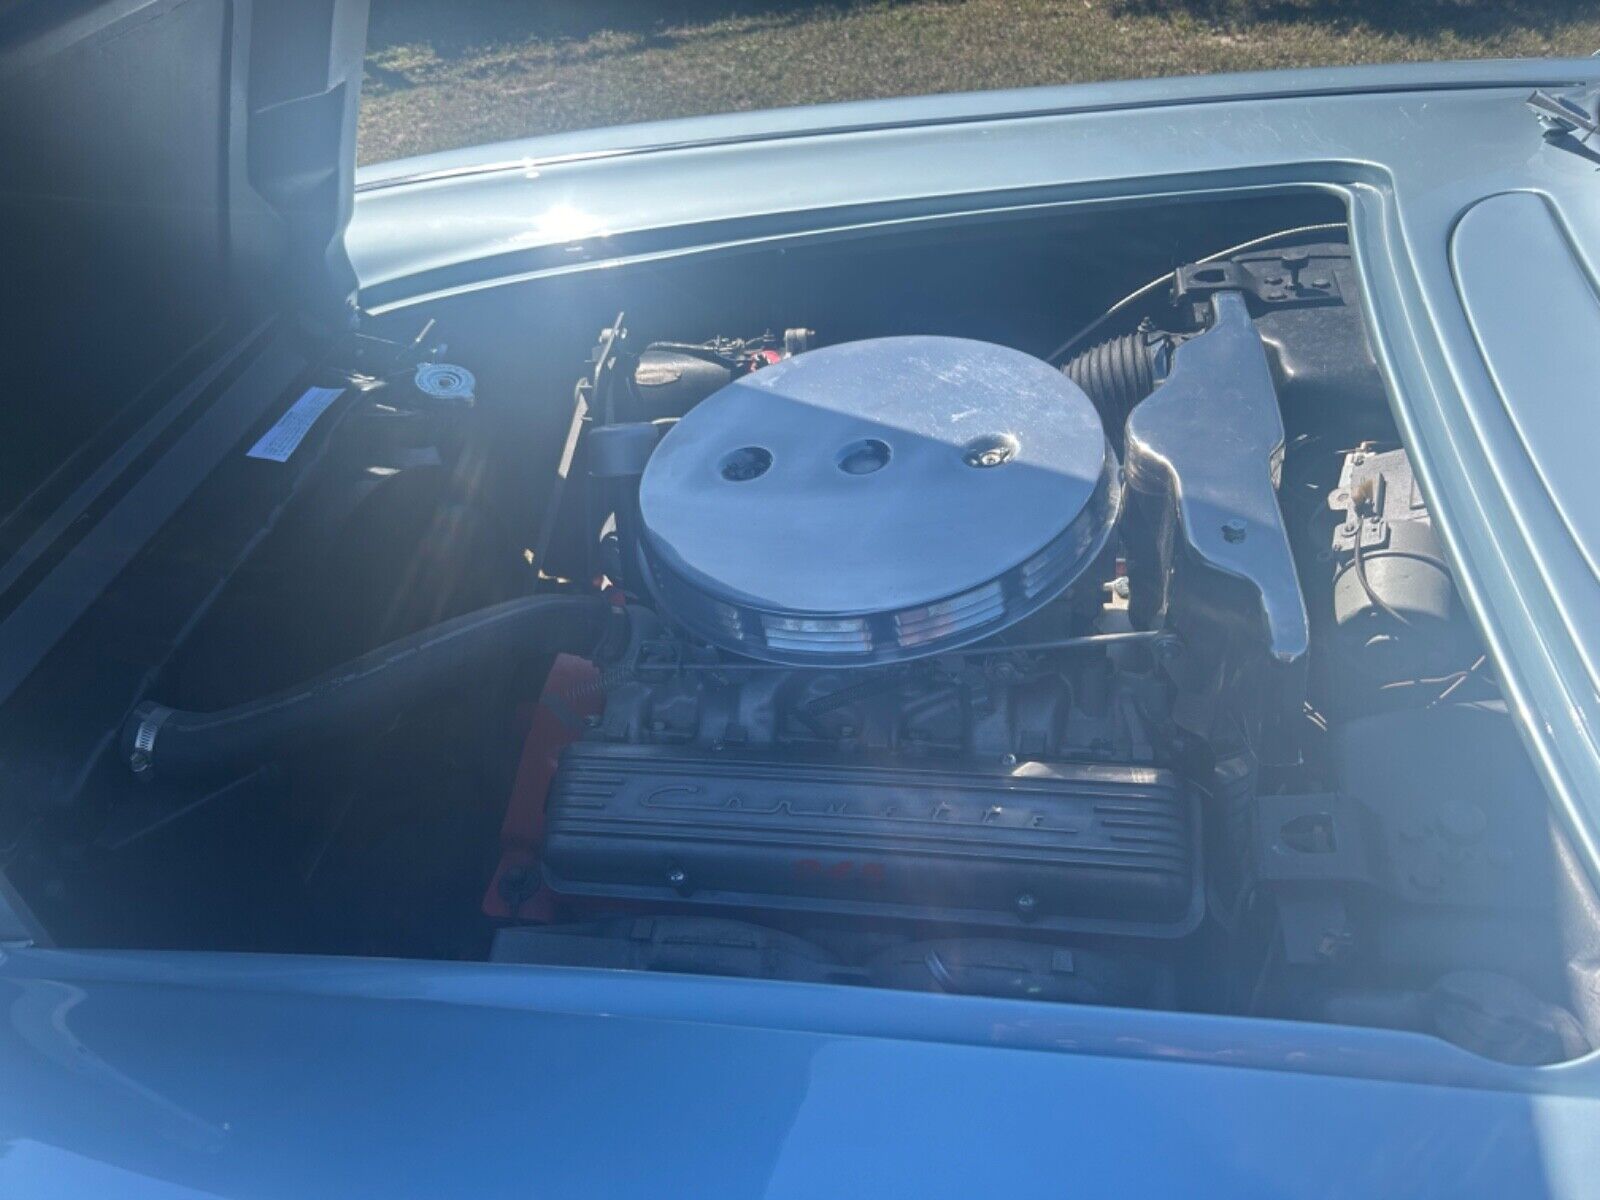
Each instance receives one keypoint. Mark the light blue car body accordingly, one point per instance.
(175, 1075)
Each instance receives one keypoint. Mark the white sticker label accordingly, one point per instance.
(279, 442)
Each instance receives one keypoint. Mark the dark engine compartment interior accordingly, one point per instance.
(954, 610)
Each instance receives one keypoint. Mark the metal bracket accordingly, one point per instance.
(1569, 111)
(1570, 118)
(1283, 278)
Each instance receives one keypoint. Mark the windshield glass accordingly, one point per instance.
(448, 73)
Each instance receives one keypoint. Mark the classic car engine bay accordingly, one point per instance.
(898, 644)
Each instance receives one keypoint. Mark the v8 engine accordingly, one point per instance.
(859, 563)
(825, 540)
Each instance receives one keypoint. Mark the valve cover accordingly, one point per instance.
(1066, 847)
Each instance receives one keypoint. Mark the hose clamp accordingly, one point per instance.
(141, 759)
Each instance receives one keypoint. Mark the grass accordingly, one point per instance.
(446, 73)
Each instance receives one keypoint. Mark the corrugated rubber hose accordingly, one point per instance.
(363, 695)
(1116, 374)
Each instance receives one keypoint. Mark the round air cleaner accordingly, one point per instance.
(876, 500)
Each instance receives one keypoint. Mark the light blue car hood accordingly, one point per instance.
(252, 1076)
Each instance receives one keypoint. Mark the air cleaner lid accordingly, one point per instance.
(876, 500)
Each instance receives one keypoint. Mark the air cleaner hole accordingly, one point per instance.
(864, 457)
(745, 463)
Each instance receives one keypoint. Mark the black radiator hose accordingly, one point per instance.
(363, 695)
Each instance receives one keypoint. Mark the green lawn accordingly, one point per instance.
(445, 73)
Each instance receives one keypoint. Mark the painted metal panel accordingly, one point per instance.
(181, 1075)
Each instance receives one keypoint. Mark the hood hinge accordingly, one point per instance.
(1570, 117)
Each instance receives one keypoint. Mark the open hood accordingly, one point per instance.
(176, 172)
